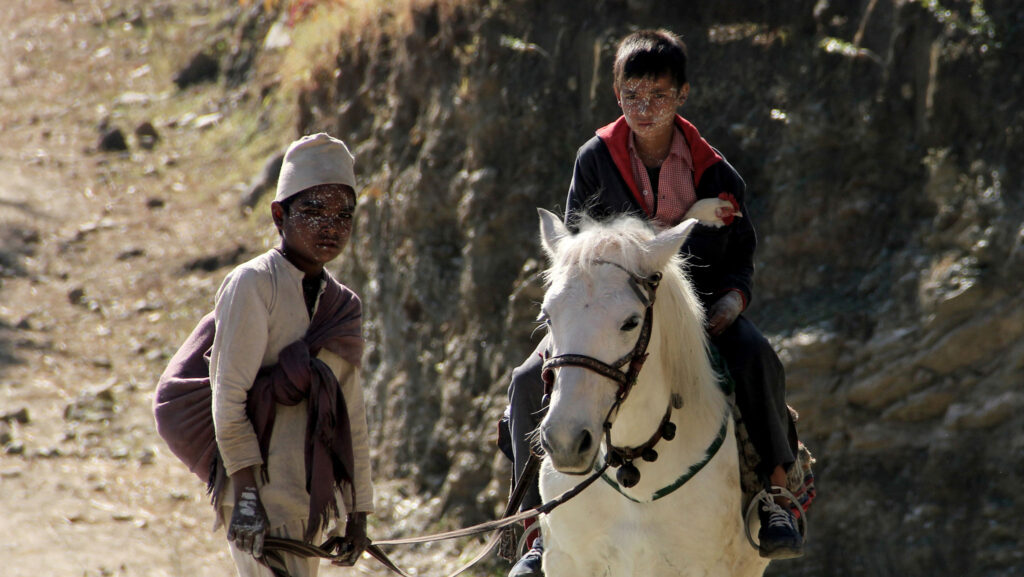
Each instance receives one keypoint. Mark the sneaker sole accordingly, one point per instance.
(782, 552)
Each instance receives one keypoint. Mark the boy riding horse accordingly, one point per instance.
(654, 163)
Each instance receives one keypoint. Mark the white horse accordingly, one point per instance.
(683, 515)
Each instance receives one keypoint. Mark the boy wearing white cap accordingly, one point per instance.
(284, 372)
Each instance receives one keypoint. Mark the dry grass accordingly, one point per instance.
(323, 28)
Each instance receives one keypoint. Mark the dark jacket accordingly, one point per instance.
(719, 259)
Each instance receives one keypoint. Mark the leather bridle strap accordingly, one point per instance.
(611, 371)
(635, 360)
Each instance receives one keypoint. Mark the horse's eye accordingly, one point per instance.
(632, 323)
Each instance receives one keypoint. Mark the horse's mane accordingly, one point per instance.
(623, 240)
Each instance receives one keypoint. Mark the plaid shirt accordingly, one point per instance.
(676, 192)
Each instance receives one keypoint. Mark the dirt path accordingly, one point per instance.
(85, 487)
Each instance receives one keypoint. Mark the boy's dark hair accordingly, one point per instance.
(287, 203)
(650, 53)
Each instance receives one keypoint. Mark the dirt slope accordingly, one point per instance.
(86, 301)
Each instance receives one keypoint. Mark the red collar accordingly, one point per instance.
(616, 138)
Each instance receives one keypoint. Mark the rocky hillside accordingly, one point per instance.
(881, 142)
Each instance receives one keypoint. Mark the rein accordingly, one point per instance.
(324, 551)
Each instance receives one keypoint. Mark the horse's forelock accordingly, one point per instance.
(622, 240)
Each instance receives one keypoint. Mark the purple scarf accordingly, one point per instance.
(184, 400)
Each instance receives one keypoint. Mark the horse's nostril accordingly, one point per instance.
(586, 440)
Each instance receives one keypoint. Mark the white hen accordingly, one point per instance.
(716, 212)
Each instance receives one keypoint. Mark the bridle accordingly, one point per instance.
(645, 289)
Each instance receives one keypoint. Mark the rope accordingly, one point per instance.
(303, 549)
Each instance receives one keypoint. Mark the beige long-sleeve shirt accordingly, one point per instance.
(259, 311)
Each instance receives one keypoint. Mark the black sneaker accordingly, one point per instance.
(779, 536)
(529, 564)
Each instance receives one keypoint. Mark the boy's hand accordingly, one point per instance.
(723, 312)
(249, 522)
(354, 542)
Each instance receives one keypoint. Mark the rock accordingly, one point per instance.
(203, 67)
(146, 135)
(881, 389)
(216, 261)
(11, 473)
(76, 296)
(873, 438)
(20, 416)
(267, 180)
(922, 406)
(207, 120)
(147, 456)
(48, 453)
(810, 357)
(992, 412)
(92, 406)
(102, 362)
(811, 348)
(133, 99)
(112, 140)
(278, 37)
(131, 253)
(974, 342)
(6, 433)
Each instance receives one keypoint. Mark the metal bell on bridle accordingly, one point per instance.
(668, 431)
(628, 475)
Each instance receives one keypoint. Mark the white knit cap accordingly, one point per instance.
(314, 160)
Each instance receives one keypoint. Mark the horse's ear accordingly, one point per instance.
(552, 231)
(668, 242)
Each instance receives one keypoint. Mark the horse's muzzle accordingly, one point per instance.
(571, 449)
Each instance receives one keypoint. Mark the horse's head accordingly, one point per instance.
(595, 307)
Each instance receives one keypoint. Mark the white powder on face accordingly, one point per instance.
(649, 104)
(322, 218)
